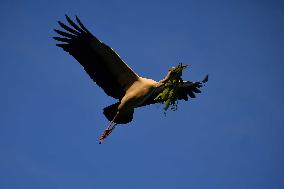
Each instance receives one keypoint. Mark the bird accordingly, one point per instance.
(107, 69)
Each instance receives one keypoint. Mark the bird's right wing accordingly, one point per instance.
(101, 62)
(185, 89)
(188, 89)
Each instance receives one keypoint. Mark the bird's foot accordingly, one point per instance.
(106, 133)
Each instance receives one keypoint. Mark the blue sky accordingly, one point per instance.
(230, 136)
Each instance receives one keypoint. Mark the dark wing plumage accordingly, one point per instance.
(188, 89)
(102, 63)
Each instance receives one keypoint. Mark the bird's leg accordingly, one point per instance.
(108, 130)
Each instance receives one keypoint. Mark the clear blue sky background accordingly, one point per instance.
(231, 136)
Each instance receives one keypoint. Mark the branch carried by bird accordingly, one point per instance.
(170, 93)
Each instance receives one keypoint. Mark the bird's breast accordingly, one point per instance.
(137, 93)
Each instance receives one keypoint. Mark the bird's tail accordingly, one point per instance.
(110, 111)
(122, 118)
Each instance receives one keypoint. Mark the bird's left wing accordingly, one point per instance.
(101, 63)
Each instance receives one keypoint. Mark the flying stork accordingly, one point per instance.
(114, 76)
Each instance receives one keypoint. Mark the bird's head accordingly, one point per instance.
(174, 72)
(182, 66)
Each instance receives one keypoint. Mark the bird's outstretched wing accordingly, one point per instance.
(188, 89)
(102, 63)
(184, 90)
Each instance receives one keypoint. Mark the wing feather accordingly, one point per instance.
(82, 25)
(62, 39)
(68, 28)
(73, 24)
(64, 34)
(101, 62)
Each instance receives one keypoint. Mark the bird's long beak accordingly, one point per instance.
(184, 66)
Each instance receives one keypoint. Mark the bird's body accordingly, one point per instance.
(114, 76)
(134, 97)
(138, 92)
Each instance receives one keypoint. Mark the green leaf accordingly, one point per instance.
(169, 95)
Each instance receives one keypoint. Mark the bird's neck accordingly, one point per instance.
(166, 78)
